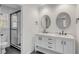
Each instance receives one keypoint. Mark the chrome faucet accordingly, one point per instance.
(63, 33)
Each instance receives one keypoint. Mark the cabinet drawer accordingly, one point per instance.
(50, 43)
(51, 47)
(51, 39)
(39, 40)
(47, 39)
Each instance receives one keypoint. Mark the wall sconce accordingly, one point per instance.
(77, 19)
(36, 22)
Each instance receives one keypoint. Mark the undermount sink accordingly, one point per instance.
(56, 35)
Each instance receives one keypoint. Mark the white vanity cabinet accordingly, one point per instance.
(54, 44)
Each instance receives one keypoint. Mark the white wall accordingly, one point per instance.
(53, 11)
(77, 29)
(30, 15)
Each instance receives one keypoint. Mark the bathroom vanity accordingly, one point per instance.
(55, 43)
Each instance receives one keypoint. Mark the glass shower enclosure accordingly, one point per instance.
(15, 29)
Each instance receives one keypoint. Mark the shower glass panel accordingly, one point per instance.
(16, 30)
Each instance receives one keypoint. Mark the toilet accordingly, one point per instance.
(3, 45)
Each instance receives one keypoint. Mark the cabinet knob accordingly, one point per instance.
(49, 43)
(49, 47)
(49, 39)
(40, 38)
(62, 42)
(1, 34)
(36, 46)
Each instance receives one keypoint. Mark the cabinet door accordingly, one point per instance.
(69, 46)
(59, 45)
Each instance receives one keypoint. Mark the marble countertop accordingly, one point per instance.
(56, 35)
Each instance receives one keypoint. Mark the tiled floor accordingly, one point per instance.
(12, 50)
(37, 52)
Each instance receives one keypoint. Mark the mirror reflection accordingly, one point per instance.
(45, 22)
(63, 20)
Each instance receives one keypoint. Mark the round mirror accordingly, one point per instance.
(63, 20)
(45, 22)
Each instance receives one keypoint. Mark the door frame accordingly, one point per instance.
(11, 22)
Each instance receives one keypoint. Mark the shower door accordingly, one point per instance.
(15, 29)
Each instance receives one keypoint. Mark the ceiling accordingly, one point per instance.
(12, 6)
